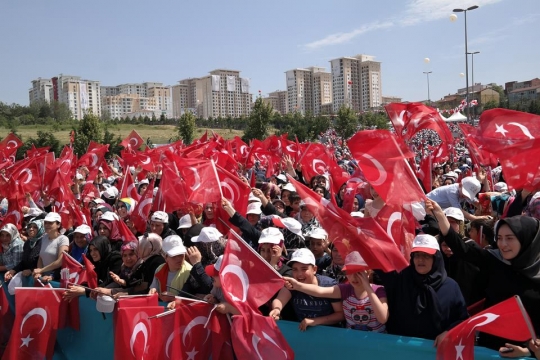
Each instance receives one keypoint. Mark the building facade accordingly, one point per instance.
(522, 92)
(356, 83)
(279, 101)
(81, 96)
(122, 105)
(40, 91)
(308, 89)
(124, 99)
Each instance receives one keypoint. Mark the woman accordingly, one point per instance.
(423, 301)
(82, 236)
(513, 268)
(364, 305)
(210, 243)
(159, 224)
(209, 215)
(53, 245)
(130, 263)
(374, 205)
(307, 219)
(108, 227)
(12, 250)
(104, 260)
(31, 248)
(125, 206)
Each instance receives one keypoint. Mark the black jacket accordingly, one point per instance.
(30, 256)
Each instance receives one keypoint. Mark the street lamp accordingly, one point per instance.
(466, 57)
(472, 70)
(427, 75)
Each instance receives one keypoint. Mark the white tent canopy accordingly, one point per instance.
(457, 116)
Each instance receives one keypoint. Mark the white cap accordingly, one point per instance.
(253, 198)
(79, 176)
(282, 177)
(52, 217)
(172, 245)
(470, 186)
(454, 213)
(318, 233)
(354, 262)
(160, 216)
(111, 193)
(105, 304)
(450, 174)
(185, 222)
(143, 181)
(289, 187)
(425, 243)
(271, 235)
(303, 256)
(98, 201)
(83, 229)
(109, 216)
(208, 234)
(289, 223)
(254, 208)
(500, 187)
(358, 214)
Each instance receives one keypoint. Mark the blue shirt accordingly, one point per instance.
(307, 306)
(446, 196)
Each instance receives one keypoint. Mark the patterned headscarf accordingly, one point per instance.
(149, 245)
(40, 231)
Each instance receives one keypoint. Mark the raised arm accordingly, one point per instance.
(313, 290)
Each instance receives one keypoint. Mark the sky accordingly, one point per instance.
(123, 41)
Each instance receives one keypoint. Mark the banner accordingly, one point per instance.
(336, 70)
(231, 83)
(216, 82)
(83, 95)
(244, 84)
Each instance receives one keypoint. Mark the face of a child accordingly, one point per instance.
(304, 273)
(317, 247)
(217, 281)
(306, 215)
(296, 205)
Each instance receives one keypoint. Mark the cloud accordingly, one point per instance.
(416, 11)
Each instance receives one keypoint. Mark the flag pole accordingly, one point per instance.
(526, 317)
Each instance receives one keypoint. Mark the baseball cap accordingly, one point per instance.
(289, 223)
(213, 269)
(354, 262)
(288, 187)
(454, 213)
(425, 243)
(470, 186)
(318, 233)
(97, 201)
(109, 216)
(357, 214)
(52, 217)
(111, 193)
(304, 256)
(185, 222)
(172, 245)
(271, 235)
(450, 174)
(83, 229)
(160, 216)
(500, 187)
(252, 198)
(278, 200)
(254, 208)
(282, 177)
(207, 235)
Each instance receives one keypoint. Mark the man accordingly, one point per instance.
(451, 195)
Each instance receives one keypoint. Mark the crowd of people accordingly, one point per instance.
(476, 241)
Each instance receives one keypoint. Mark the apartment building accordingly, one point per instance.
(356, 82)
(308, 89)
(122, 105)
(40, 91)
(124, 99)
(522, 92)
(80, 95)
(279, 101)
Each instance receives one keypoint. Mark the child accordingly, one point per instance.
(310, 310)
(364, 305)
(318, 244)
(216, 294)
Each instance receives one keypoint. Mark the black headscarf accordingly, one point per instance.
(427, 286)
(527, 231)
(103, 246)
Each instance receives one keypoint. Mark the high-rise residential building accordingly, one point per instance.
(148, 97)
(184, 97)
(356, 82)
(81, 96)
(122, 105)
(223, 93)
(279, 101)
(308, 89)
(40, 91)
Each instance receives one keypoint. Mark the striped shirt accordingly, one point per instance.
(359, 313)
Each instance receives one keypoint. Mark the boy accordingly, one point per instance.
(216, 294)
(310, 310)
(318, 244)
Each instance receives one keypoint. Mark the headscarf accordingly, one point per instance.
(12, 231)
(39, 234)
(149, 245)
(527, 231)
(427, 286)
(114, 233)
(129, 203)
(125, 272)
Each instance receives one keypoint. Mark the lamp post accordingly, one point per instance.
(472, 71)
(466, 57)
(427, 75)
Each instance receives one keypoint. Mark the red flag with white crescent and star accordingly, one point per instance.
(140, 213)
(133, 140)
(129, 188)
(506, 319)
(6, 316)
(37, 313)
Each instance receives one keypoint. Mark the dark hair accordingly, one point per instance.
(487, 229)
(293, 196)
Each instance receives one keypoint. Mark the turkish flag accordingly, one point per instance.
(424, 172)
(400, 225)
(129, 188)
(10, 144)
(140, 213)
(133, 140)
(240, 150)
(91, 276)
(77, 272)
(6, 316)
(479, 156)
(37, 313)
(221, 337)
(261, 337)
(349, 234)
(138, 158)
(234, 190)
(382, 159)
(16, 200)
(315, 161)
(26, 172)
(137, 301)
(94, 155)
(350, 193)
(200, 177)
(247, 280)
(135, 335)
(505, 319)
(33, 151)
(89, 192)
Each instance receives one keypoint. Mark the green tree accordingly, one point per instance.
(89, 129)
(346, 123)
(257, 124)
(61, 112)
(503, 100)
(162, 118)
(371, 120)
(186, 127)
(319, 124)
(114, 142)
(44, 138)
(491, 104)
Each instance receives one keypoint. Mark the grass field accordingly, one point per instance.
(158, 134)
